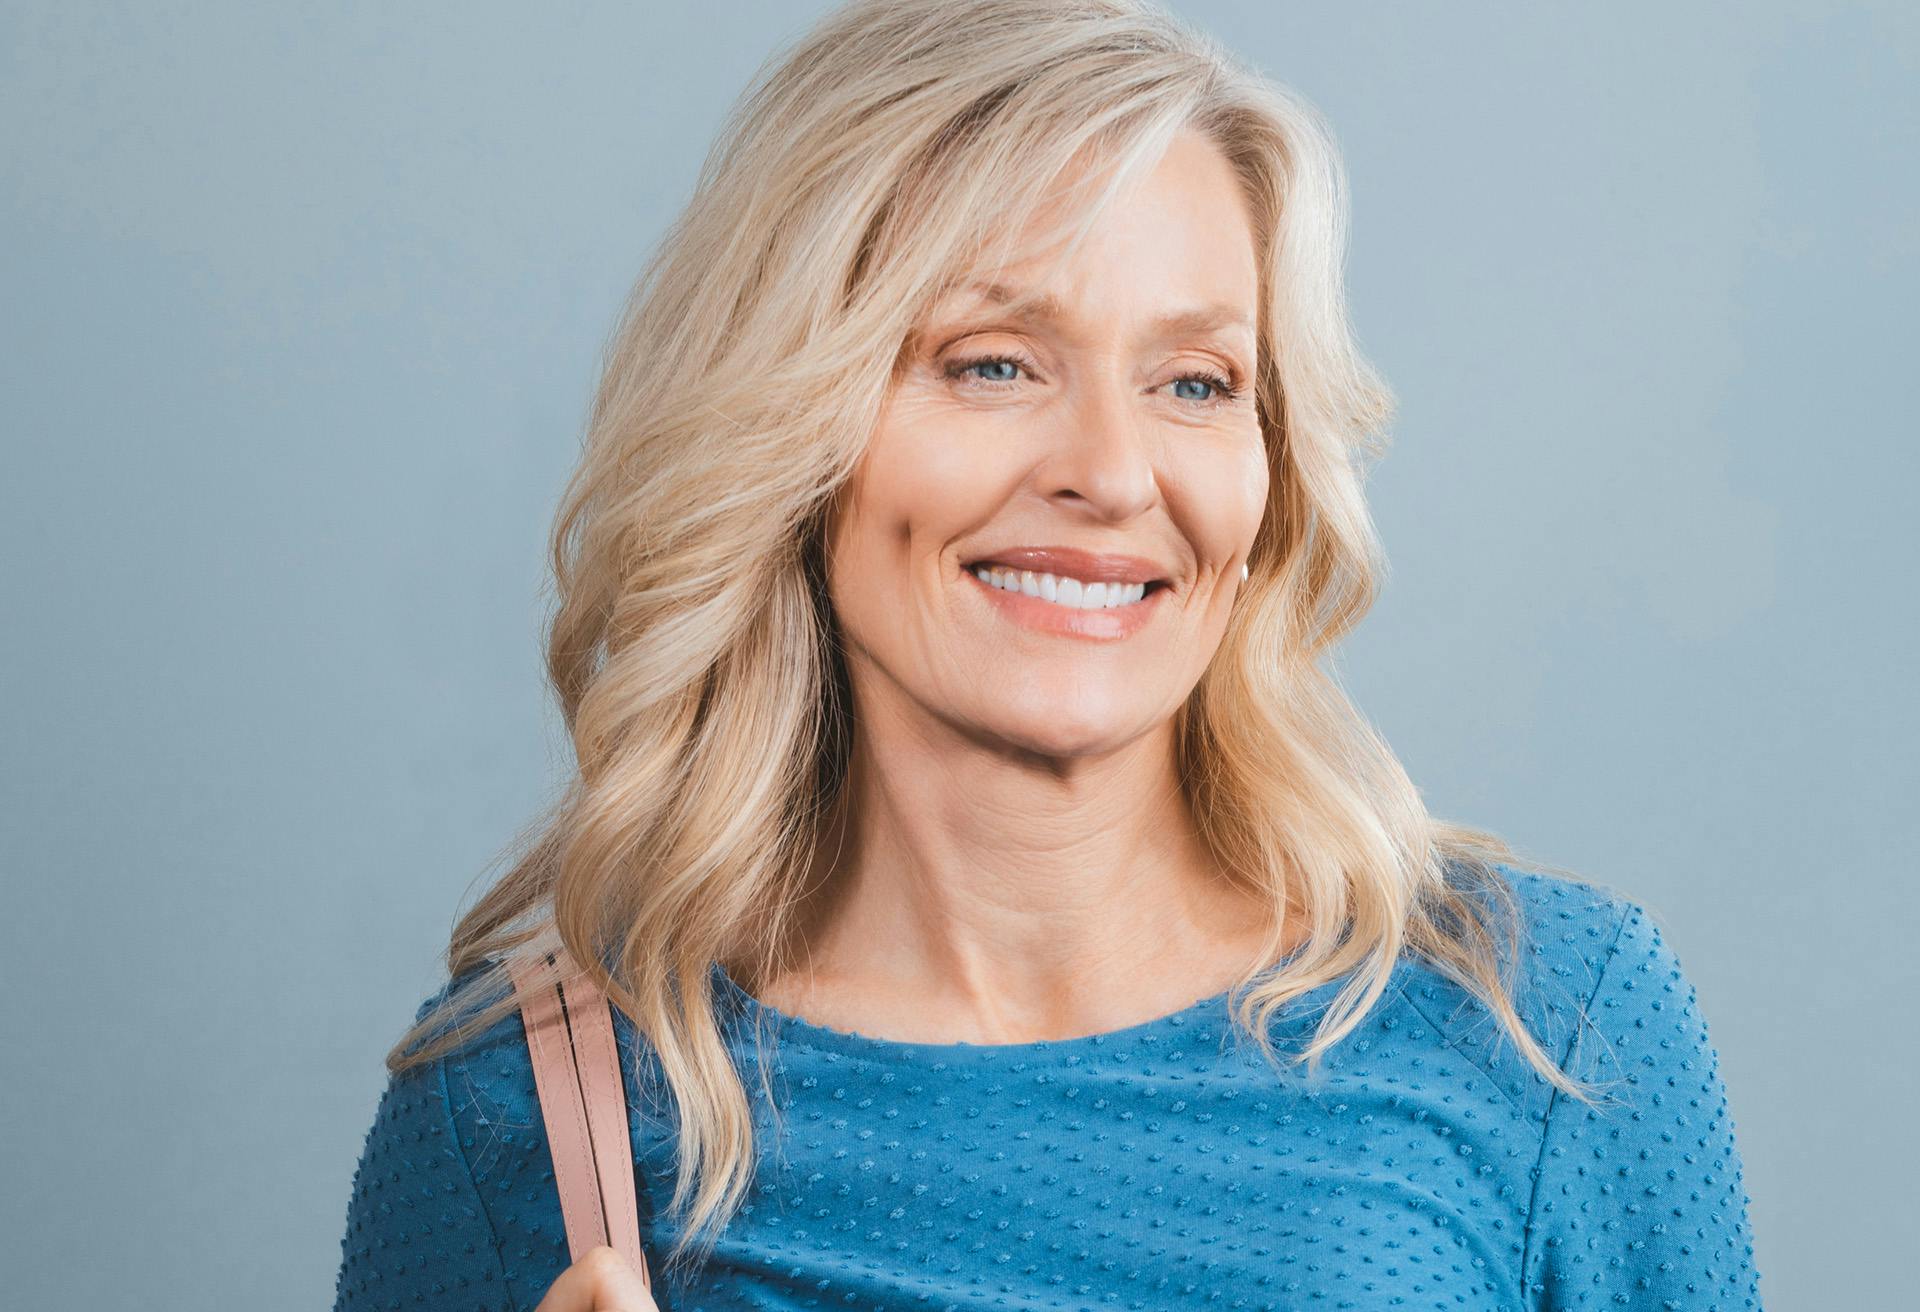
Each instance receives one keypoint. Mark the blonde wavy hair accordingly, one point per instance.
(881, 160)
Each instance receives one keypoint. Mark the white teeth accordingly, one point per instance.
(1061, 590)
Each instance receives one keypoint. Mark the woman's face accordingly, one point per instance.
(1122, 426)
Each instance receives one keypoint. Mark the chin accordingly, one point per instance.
(1088, 733)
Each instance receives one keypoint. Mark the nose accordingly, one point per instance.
(1101, 453)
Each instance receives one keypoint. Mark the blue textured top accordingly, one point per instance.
(1152, 1167)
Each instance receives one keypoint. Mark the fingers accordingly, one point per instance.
(601, 1281)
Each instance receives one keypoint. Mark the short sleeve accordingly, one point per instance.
(1639, 1201)
(416, 1234)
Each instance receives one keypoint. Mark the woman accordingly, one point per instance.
(1000, 905)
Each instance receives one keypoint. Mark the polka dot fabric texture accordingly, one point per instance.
(417, 1235)
(1161, 1166)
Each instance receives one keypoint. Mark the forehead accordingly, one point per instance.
(1173, 250)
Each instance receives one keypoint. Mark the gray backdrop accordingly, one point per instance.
(302, 312)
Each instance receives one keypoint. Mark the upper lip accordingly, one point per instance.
(1089, 566)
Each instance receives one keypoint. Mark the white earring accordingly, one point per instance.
(1245, 572)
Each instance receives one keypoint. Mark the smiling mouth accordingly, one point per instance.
(1084, 567)
(1064, 589)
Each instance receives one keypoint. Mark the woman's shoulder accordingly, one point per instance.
(1569, 929)
(488, 1071)
(1566, 928)
(1642, 1189)
(492, 1093)
(419, 1224)
(489, 1108)
(1566, 932)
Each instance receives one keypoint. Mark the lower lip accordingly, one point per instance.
(1104, 625)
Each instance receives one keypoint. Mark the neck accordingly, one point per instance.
(972, 896)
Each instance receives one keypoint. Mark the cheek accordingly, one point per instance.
(1226, 497)
(930, 476)
(1255, 483)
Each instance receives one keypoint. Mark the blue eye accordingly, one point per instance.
(1007, 367)
(992, 361)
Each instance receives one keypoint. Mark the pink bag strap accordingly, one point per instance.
(576, 1072)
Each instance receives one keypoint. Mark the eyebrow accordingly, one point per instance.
(1047, 307)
